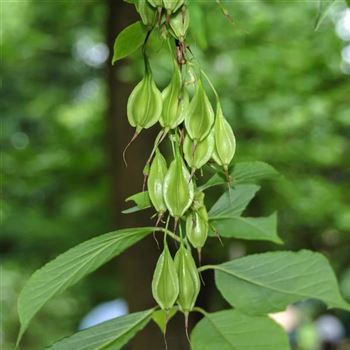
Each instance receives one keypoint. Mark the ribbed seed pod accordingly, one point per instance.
(172, 5)
(165, 283)
(200, 116)
(155, 182)
(225, 142)
(156, 3)
(197, 227)
(177, 189)
(197, 156)
(175, 102)
(179, 23)
(145, 103)
(146, 12)
(198, 200)
(189, 283)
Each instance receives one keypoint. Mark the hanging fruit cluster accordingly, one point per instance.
(198, 136)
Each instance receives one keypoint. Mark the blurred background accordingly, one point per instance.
(285, 90)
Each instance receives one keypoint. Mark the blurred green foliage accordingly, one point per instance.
(282, 89)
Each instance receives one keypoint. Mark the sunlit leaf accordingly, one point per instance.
(232, 330)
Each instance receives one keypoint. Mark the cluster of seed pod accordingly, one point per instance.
(198, 135)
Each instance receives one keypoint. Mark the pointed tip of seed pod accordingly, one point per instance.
(136, 134)
(165, 133)
(194, 147)
(201, 278)
(155, 238)
(192, 174)
(218, 236)
(145, 177)
(159, 218)
(229, 179)
(175, 224)
(165, 329)
(186, 326)
(199, 252)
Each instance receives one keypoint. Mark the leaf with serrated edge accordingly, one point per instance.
(112, 334)
(269, 282)
(244, 173)
(233, 202)
(232, 330)
(129, 40)
(69, 267)
(262, 228)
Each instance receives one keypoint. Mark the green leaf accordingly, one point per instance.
(323, 9)
(129, 40)
(264, 228)
(142, 201)
(243, 173)
(231, 330)
(233, 202)
(252, 172)
(269, 282)
(109, 335)
(161, 317)
(71, 266)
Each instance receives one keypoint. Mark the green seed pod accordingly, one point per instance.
(165, 282)
(146, 12)
(175, 102)
(189, 283)
(177, 189)
(155, 182)
(197, 156)
(198, 200)
(179, 23)
(156, 3)
(172, 5)
(197, 227)
(145, 103)
(200, 116)
(225, 142)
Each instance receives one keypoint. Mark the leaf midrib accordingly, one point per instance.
(217, 267)
(220, 332)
